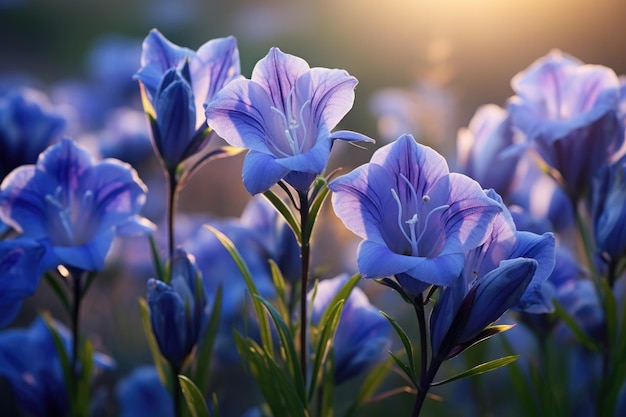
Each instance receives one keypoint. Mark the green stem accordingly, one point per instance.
(424, 385)
(171, 210)
(418, 304)
(176, 391)
(305, 254)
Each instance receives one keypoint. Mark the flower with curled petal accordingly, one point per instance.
(284, 115)
(416, 219)
(569, 113)
(73, 203)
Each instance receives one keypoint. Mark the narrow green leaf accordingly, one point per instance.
(84, 380)
(205, 347)
(159, 362)
(579, 333)
(315, 208)
(373, 380)
(156, 260)
(485, 334)
(288, 349)
(66, 366)
(58, 291)
(193, 397)
(282, 208)
(264, 327)
(525, 392)
(342, 294)
(409, 372)
(324, 344)
(408, 347)
(479, 369)
(216, 408)
(281, 292)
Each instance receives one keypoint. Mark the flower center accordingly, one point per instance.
(413, 220)
(69, 217)
(292, 122)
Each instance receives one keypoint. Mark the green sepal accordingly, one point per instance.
(287, 214)
(193, 397)
(479, 369)
(485, 334)
(161, 365)
(264, 327)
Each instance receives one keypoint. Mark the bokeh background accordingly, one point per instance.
(424, 67)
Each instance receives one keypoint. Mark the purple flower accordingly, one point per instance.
(569, 113)
(142, 394)
(178, 309)
(73, 203)
(22, 262)
(28, 125)
(30, 363)
(415, 217)
(177, 83)
(284, 115)
(609, 211)
(508, 270)
(481, 145)
(363, 335)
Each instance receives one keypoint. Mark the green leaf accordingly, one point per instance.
(287, 214)
(277, 390)
(281, 292)
(579, 333)
(66, 366)
(485, 334)
(193, 397)
(159, 362)
(156, 260)
(408, 371)
(408, 347)
(330, 320)
(479, 369)
(58, 291)
(264, 327)
(205, 347)
(84, 380)
(288, 349)
(373, 379)
(315, 208)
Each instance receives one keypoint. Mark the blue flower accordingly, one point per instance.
(509, 270)
(178, 310)
(28, 125)
(74, 204)
(569, 113)
(284, 115)
(416, 218)
(609, 211)
(481, 146)
(22, 262)
(363, 335)
(29, 362)
(141, 394)
(177, 82)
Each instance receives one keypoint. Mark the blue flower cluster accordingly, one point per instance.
(532, 228)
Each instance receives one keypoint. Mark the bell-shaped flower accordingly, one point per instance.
(363, 335)
(284, 115)
(73, 203)
(509, 270)
(415, 217)
(28, 125)
(608, 205)
(178, 309)
(31, 366)
(569, 112)
(176, 83)
(141, 394)
(481, 149)
(22, 262)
